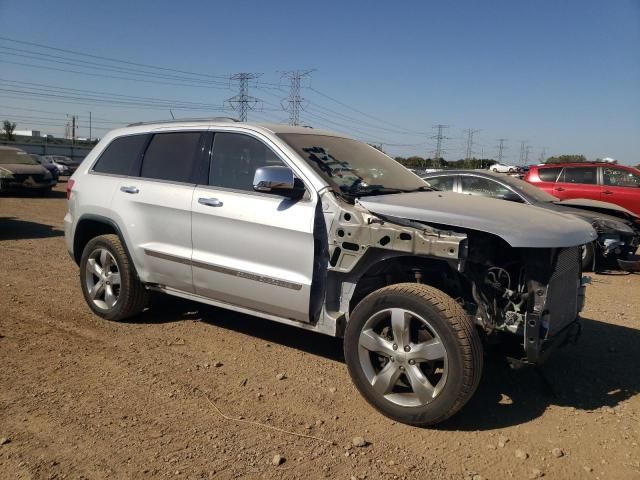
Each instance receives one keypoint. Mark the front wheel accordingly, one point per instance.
(413, 353)
(588, 257)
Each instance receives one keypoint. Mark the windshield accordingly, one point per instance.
(528, 190)
(353, 168)
(15, 157)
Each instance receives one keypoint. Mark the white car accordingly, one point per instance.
(62, 169)
(502, 168)
(321, 232)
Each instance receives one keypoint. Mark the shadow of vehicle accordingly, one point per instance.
(34, 194)
(166, 309)
(14, 229)
(601, 370)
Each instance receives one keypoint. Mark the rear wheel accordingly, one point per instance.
(413, 353)
(108, 280)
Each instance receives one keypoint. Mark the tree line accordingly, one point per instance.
(417, 162)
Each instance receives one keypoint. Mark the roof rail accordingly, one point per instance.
(182, 120)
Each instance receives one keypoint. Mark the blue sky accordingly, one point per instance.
(562, 75)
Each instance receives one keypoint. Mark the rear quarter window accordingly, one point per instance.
(549, 174)
(121, 155)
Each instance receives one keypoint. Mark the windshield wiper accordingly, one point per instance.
(422, 188)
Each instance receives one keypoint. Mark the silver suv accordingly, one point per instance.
(322, 232)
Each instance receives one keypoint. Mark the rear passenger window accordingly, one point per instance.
(121, 155)
(171, 156)
(548, 174)
(441, 183)
(584, 175)
(236, 158)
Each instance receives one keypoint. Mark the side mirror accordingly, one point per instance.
(277, 179)
(512, 197)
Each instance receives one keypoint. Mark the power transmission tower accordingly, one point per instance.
(501, 149)
(527, 150)
(293, 103)
(470, 133)
(543, 155)
(523, 149)
(440, 138)
(243, 102)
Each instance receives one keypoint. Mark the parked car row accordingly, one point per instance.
(597, 181)
(618, 228)
(322, 232)
(19, 171)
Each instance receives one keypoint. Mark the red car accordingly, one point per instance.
(595, 180)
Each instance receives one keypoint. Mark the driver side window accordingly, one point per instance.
(235, 159)
(482, 186)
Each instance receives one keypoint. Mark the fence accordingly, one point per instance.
(72, 151)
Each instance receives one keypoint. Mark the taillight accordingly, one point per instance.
(69, 187)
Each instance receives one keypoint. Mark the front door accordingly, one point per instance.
(250, 249)
(578, 182)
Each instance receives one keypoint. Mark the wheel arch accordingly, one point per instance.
(380, 268)
(90, 226)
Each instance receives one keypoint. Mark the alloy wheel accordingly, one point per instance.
(403, 357)
(102, 279)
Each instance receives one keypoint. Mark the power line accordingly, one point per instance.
(111, 59)
(243, 101)
(117, 77)
(386, 122)
(293, 103)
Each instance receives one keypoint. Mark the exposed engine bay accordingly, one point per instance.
(534, 293)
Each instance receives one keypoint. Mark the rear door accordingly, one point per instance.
(622, 187)
(251, 249)
(578, 182)
(547, 178)
(154, 208)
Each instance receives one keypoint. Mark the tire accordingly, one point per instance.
(452, 373)
(588, 257)
(511, 170)
(111, 300)
(494, 170)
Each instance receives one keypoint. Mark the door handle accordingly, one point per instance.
(559, 189)
(129, 189)
(608, 192)
(210, 202)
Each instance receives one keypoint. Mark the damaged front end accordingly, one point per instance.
(536, 294)
(525, 283)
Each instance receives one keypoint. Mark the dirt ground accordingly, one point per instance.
(81, 397)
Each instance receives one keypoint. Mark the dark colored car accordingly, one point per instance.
(618, 229)
(49, 165)
(18, 171)
(604, 181)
